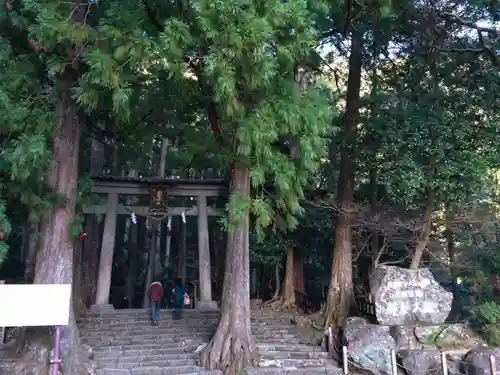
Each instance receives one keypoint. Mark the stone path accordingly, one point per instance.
(125, 343)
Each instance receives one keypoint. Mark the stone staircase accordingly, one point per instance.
(125, 343)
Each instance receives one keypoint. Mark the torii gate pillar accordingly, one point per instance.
(205, 303)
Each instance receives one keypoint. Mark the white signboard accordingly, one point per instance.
(30, 305)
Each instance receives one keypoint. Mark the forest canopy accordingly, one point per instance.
(349, 134)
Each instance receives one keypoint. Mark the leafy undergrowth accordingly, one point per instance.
(486, 319)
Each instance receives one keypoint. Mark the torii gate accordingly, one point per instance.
(158, 189)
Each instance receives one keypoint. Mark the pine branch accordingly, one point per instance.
(196, 64)
(492, 32)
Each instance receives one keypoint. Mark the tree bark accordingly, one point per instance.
(277, 276)
(232, 347)
(54, 260)
(340, 299)
(33, 244)
(299, 276)
(289, 282)
(423, 237)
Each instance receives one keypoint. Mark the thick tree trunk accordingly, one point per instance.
(232, 348)
(289, 282)
(284, 297)
(341, 295)
(33, 244)
(299, 276)
(54, 261)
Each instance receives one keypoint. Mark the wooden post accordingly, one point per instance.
(444, 363)
(204, 268)
(107, 252)
(345, 360)
(394, 363)
(2, 329)
(493, 365)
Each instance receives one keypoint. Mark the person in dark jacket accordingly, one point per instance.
(179, 292)
(155, 294)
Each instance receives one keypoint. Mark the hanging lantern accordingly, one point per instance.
(158, 198)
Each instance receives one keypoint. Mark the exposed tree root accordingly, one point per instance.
(231, 349)
(281, 304)
(314, 320)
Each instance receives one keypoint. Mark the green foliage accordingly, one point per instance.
(487, 316)
(245, 61)
(5, 227)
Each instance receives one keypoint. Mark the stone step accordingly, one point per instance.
(152, 370)
(186, 320)
(176, 364)
(170, 343)
(157, 355)
(180, 336)
(189, 347)
(180, 347)
(327, 370)
(150, 361)
(323, 370)
(292, 362)
(106, 353)
(169, 315)
(294, 354)
(132, 341)
(177, 330)
(287, 347)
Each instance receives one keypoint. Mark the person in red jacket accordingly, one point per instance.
(155, 294)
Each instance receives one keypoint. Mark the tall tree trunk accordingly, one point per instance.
(341, 294)
(33, 244)
(54, 261)
(232, 347)
(289, 282)
(299, 276)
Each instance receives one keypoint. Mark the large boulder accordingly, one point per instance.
(403, 296)
(368, 346)
(427, 362)
(477, 361)
(449, 336)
